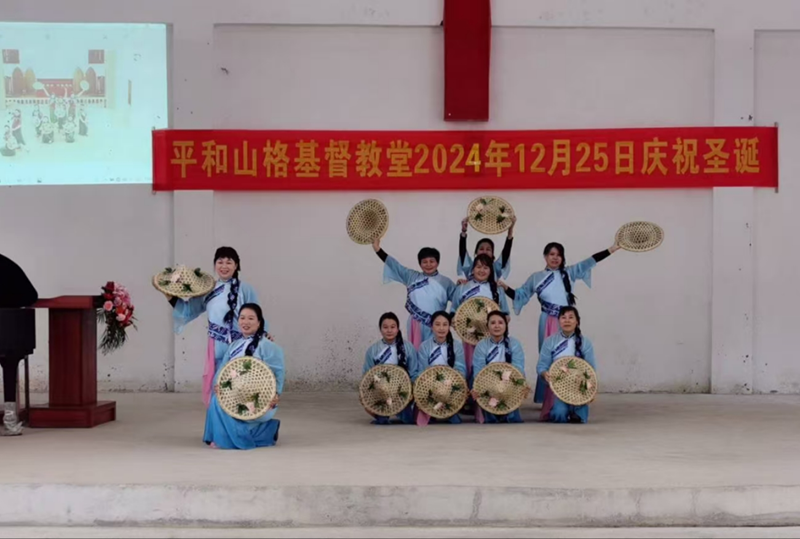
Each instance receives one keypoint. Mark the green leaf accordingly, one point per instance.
(499, 374)
(403, 394)
(168, 270)
(187, 287)
(255, 398)
(371, 386)
(198, 272)
(440, 377)
(571, 364)
(228, 384)
(481, 305)
(500, 219)
(479, 217)
(502, 406)
(586, 375)
(485, 201)
(486, 394)
(479, 335)
(387, 376)
(456, 387)
(502, 209)
(559, 377)
(164, 282)
(247, 366)
(241, 409)
(519, 382)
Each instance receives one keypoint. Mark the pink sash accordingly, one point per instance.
(550, 328)
(209, 372)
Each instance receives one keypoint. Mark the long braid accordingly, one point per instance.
(507, 345)
(233, 298)
(578, 342)
(401, 351)
(451, 353)
(567, 285)
(489, 263)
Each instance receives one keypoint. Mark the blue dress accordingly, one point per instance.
(433, 354)
(229, 433)
(220, 333)
(474, 289)
(383, 353)
(555, 347)
(548, 286)
(425, 294)
(488, 351)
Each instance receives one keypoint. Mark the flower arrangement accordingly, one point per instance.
(117, 314)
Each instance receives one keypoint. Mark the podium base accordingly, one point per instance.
(72, 417)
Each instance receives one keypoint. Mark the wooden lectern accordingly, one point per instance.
(73, 367)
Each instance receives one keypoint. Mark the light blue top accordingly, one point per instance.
(432, 353)
(383, 353)
(488, 351)
(558, 345)
(549, 286)
(474, 289)
(426, 294)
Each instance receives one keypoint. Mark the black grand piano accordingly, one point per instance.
(17, 341)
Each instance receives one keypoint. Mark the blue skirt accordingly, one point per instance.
(228, 433)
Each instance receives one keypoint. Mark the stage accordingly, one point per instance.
(644, 460)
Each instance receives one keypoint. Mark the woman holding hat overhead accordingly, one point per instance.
(225, 432)
(502, 266)
(222, 304)
(427, 291)
(392, 350)
(568, 341)
(553, 287)
(498, 347)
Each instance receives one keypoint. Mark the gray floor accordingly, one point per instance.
(647, 441)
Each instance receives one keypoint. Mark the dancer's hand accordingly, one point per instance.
(216, 390)
(546, 376)
(274, 402)
(502, 284)
(464, 225)
(511, 228)
(614, 248)
(474, 394)
(526, 393)
(462, 281)
(270, 337)
(376, 245)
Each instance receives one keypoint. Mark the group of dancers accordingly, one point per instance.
(237, 328)
(65, 116)
(429, 293)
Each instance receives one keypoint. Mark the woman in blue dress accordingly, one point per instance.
(392, 350)
(225, 432)
(222, 305)
(502, 266)
(441, 349)
(567, 342)
(498, 347)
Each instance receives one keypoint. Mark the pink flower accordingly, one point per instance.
(234, 374)
(493, 402)
(448, 383)
(438, 406)
(117, 302)
(251, 407)
(108, 306)
(506, 376)
(120, 318)
(388, 402)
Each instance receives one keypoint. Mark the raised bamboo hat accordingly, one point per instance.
(490, 215)
(385, 390)
(182, 282)
(246, 388)
(639, 236)
(367, 221)
(501, 388)
(573, 381)
(471, 319)
(440, 392)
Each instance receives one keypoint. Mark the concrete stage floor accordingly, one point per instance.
(644, 460)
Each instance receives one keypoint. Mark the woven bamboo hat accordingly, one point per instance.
(573, 381)
(385, 390)
(440, 392)
(490, 215)
(181, 282)
(639, 236)
(367, 221)
(500, 387)
(246, 388)
(471, 319)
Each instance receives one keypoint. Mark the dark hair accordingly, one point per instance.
(564, 277)
(578, 337)
(451, 353)
(484, 240)
(256, 308)
(487, 261)
(401, 347)
(233, 295)
(505, 335)
(428, 252)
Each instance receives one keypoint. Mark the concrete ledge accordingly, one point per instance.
(254, 507)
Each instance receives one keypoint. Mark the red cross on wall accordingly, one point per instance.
(467, 48)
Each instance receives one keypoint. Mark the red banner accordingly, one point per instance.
(678, 158)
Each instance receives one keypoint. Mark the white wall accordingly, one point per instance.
(700, 313)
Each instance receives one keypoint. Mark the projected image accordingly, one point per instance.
(78, 102)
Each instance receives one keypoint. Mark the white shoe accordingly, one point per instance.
(10, 421)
